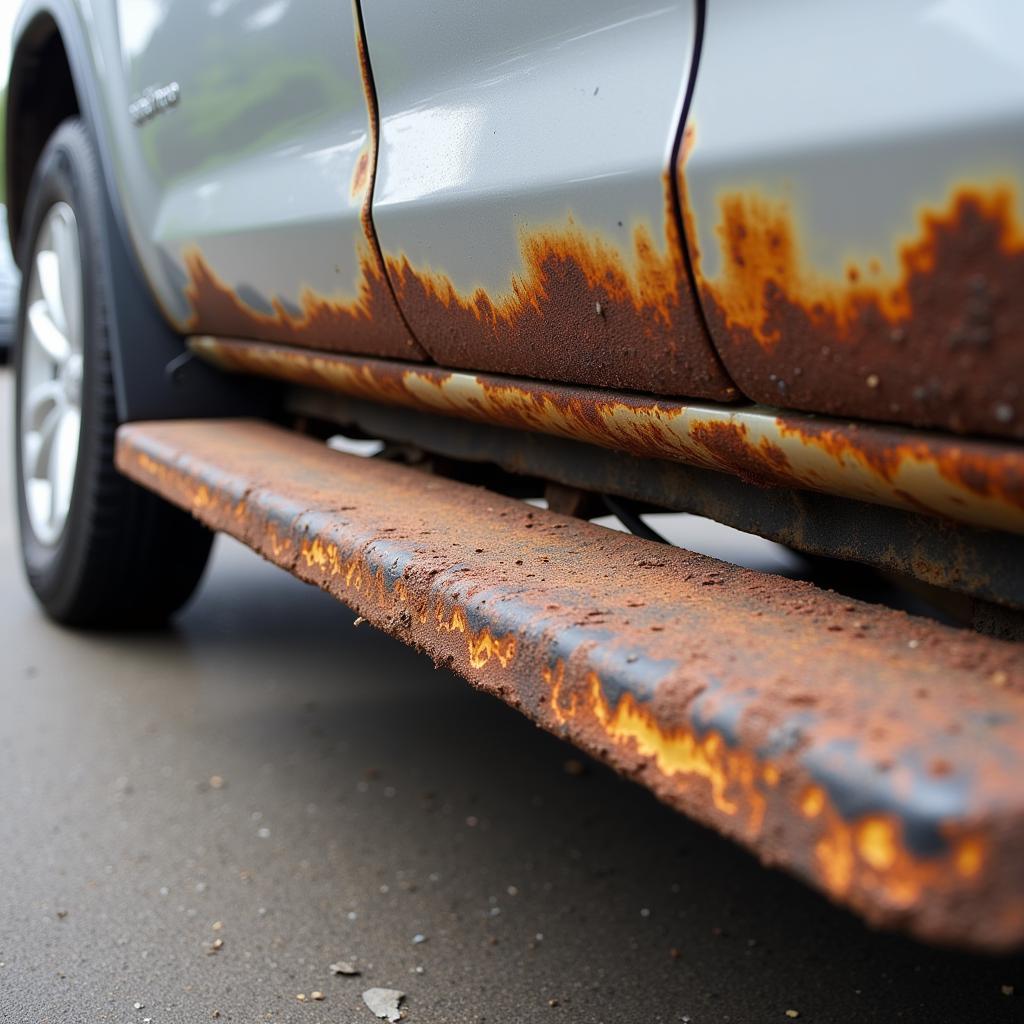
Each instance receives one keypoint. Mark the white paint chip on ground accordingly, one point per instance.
(383, 1002)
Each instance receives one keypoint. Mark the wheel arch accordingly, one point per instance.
(50, 38)
(42, 91)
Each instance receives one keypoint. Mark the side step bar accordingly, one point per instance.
(878, 756)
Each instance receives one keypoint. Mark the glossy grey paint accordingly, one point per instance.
(498, 117)
(254, 162)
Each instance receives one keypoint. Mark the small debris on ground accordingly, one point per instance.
(214, 947)
(344, 967)
(301, 996)
(793, 1014)
(1007, 990)
(216, 782)
(318, 996)
(384, 1003)
(61, 914)
(573, 766)
(552, 1002)
(418, 938)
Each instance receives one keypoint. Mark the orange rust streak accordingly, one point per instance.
(730, 448)
(360, 175)
(990, 475)
(936, 342)
(870, 855)
(481, 647)
(865, 854)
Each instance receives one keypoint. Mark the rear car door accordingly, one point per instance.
(856, 198)
(524, 198)
(247, 160)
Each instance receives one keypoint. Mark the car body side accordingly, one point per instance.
(539, 195)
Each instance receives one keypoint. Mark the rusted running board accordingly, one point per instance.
(878, 756)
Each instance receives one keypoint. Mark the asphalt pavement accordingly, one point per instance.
(195, 824)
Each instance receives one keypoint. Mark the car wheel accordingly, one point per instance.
(98, 550)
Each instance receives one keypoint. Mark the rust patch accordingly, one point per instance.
(975, 470)
(937, 344)
(360, 175)
(973, 481)
(803, 724)
(758, 462)
(577, 309)
(367, 323)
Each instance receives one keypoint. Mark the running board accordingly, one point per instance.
(878, 756)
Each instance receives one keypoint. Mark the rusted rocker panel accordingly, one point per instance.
(878, 756)
(966, 480)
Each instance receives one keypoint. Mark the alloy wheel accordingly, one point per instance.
(52, 368)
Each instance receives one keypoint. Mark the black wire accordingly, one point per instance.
(625, 512)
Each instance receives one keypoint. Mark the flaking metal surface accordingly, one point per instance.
(972, 481)
(875, 755)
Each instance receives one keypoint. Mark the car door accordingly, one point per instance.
(856, 198)
(246, 160)
(524, 198)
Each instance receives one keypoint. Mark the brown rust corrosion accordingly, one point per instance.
(938, 343)
(369, 323)
(876, 755)
(974, 481)
(577, 308)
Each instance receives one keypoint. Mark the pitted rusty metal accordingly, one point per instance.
(971, 481)
(937, 343)
(876, 755)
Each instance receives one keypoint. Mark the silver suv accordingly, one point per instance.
(758, 262)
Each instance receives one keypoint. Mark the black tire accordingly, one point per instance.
(124, 557)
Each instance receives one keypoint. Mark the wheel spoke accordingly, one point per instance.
(65, 242)
(48, 271)
(39, 498)
(38, 443)
(63, 459)
(39, 401)
(47, 335)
